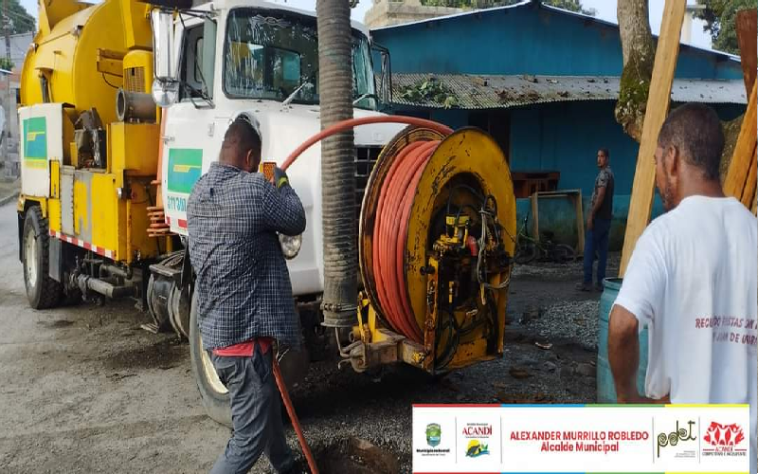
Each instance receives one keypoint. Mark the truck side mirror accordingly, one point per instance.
(166, 52)
(384, 88)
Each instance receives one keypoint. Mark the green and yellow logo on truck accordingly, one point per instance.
(184, 168)
(35, 142)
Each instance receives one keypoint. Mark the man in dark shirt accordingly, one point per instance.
(244, 291)
(598, 223)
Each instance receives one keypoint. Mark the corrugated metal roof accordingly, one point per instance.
(491, 92)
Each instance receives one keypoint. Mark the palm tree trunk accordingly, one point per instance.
(337, 168)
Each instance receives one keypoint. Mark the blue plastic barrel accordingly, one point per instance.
(606, 390)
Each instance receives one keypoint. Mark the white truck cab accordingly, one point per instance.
(226, 58)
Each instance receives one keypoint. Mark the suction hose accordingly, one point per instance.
(390, 232)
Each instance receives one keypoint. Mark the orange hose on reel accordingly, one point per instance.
(390, 232)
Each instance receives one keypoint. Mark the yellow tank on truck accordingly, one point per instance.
(77, 55)
(90, 139)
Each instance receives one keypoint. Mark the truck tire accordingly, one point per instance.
(42, 291)
(213, 393)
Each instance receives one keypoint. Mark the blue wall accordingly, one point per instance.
(558, 216)
(565, 137)
(526, 40)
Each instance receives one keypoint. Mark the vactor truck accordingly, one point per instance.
(124, 106)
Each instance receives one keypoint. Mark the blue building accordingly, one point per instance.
(544, 82)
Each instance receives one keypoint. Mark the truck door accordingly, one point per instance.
(192, 137)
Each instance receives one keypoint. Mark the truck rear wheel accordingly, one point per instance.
(213, 393)
(42, 291)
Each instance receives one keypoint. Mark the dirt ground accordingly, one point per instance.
(85, 390)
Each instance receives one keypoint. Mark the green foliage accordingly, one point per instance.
(6, 64)
(18, 18)
(720, 16)
(572, 5)
(430, 90)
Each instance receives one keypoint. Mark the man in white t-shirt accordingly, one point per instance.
(692, 280)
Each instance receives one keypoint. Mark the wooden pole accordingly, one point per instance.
(736, 175)
(749, 192)
(641, 204)
(747, 30)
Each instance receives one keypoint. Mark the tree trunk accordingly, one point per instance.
(337, 169)
(638, 54)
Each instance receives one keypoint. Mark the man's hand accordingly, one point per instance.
(624, 357)
(624, 353)
(280, 178)
(590, 222)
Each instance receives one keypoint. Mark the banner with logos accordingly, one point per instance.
(480, 439)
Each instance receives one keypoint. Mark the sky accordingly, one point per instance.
(606, 10)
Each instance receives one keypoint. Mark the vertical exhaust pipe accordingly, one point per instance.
(337, 173)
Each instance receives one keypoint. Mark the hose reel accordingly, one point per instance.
(434, 240)
(435, 245)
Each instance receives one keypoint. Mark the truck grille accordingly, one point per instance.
(365, 159)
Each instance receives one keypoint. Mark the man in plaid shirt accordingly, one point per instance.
(244, 291)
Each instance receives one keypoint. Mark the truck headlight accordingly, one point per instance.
(290, 245)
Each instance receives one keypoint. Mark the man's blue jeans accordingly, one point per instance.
(256, 414)
(596, 240)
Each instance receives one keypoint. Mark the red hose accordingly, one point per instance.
(390, 232)
(293, 416)
(348, 124)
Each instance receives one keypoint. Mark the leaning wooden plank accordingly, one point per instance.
(749, 191)
(747, 30)
(578, 202)
(755, 204)
(641, 203)
(736, 175)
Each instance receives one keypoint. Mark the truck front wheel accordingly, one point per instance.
(214, 394)
(43, 292)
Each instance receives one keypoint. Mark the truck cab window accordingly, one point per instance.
(197, 73)
(271, 57)
(192, 63)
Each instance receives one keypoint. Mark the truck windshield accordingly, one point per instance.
(269, 55)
